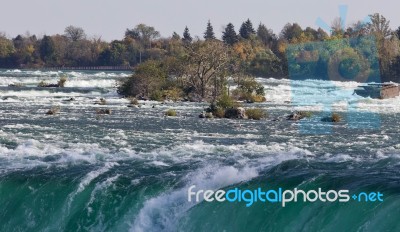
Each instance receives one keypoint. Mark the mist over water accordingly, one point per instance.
(130, 171)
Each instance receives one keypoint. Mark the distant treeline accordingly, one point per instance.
(259, 50)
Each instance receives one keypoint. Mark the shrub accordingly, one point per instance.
(170, 113)
(257, 98)
(225, 102)
(240, 95)
(250, 85)
(156, 96)
(219, 113)
(174, 94)
(255, 113)
(61, 82)
(336, 117)
(148, 77)
(305, 114)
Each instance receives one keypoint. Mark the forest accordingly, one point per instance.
(252, 50)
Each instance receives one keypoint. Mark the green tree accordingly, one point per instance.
(397, 32)
(321, 35)
(291, 32)
(47, 50)
(246, 30)
(114, 54)
(187, 38)
(145, 34)
(266, 35)
(209, 33)
(6, 47)
(147, 80)
(24, 49)
(175, 36)
(229, 35)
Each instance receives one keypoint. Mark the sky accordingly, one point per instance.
(109, 19)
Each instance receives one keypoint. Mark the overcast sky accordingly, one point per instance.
(110, 18)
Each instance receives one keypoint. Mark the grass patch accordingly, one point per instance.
(305, 114)
(255, 113)
(171, 113)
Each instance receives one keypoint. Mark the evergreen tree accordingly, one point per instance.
(322, 35)
(397, 32)
(209, 33)
(186, 36)
(265, 35)
(246, 30)
(47, 49)
(175, 36)
(229, 36)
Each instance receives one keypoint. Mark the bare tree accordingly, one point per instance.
(75, 33)
(207, 65)
(337, 26)
(379, 26)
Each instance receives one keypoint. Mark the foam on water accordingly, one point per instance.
(163, 212)
(134, 146)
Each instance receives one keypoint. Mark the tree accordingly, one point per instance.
(337, 27)
(186, 36)
(322, 35)
(357, 29)
(291, 32)
(146, 80)
(145, 34)
(207, 66)
(266, 35)
(24, 49)
(379, 26)
(75, 33)
(209, 33)
(397, 32)
(6, 47)
(246, 30)
(175, 36)
(47, 49)
(229, 35)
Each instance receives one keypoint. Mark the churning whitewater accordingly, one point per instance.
(130, 171)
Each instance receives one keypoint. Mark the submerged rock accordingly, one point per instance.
(53, 111)
(103, 111)
(299, 115)
(239, 113)
(202, 115)
(335, 117)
